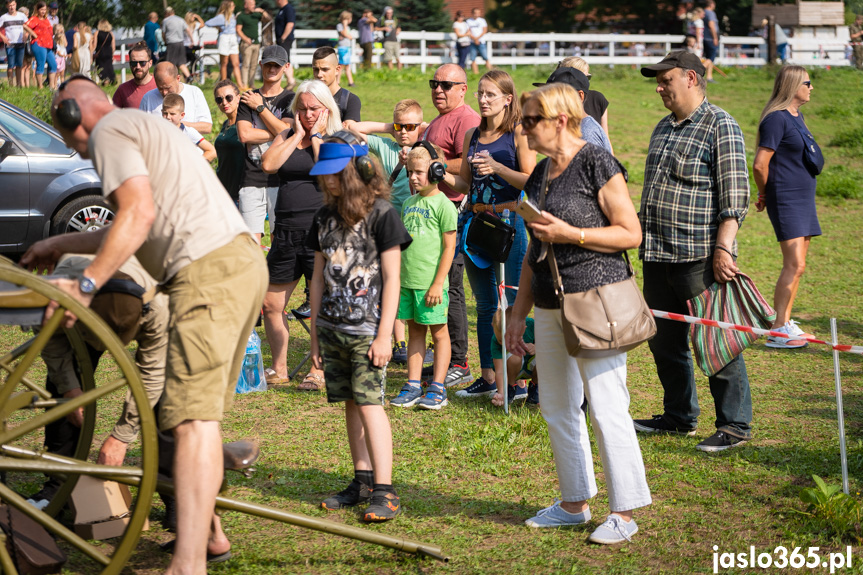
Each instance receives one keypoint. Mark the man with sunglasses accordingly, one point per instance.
(130, 93)
(447, 130)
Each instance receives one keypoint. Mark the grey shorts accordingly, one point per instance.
(256, 204)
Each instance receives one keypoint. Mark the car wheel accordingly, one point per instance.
(84, 214)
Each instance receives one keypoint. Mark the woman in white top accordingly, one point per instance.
(192, 39)
(82, 44)
(462, 38)
(229, 47)
(344, 47)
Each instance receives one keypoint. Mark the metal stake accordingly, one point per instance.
(839, 410)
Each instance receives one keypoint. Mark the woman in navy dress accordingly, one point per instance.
(786, 187)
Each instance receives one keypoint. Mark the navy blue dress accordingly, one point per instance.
(790, 190)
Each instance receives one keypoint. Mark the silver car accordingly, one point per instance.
(45, 188)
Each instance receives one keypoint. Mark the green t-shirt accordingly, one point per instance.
(497, 349)
(249, 22)
(387, 151)
(426, 218)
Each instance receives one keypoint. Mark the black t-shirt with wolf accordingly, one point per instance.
(353, 284)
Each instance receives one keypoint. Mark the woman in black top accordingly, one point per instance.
(589, 218)
(103, 57)
(229, 149)
(292, 155)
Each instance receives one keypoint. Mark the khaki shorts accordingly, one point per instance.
(214, 303)
(391, 51)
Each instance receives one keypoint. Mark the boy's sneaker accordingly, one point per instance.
(400, 353)
(383, 507)
(614, 530)
(408, 396)
(354, 494)
(305, 309)
(429, 358)
(556, 516)
(455, 375)
(435, 397)
(720, 441)
(532, 393)
(658, 424)
(479, 388)
(517, 393)
(791, 329)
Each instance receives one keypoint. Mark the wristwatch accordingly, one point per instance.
(87, 285)
(318, 135)
(260, 109)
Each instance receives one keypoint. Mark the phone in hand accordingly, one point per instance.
(528, 210)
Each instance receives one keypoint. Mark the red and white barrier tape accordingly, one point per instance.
(745, 328)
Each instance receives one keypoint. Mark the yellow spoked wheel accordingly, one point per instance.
(26, 408)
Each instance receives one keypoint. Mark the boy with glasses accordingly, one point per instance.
(129, 94)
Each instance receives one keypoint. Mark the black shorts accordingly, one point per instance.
(176, 54)
(289, 258)
(287, 46)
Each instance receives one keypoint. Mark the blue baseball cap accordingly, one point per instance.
(333, 157)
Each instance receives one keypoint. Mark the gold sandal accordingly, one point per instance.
(313, 382)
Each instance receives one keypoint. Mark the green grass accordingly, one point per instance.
(469, 475)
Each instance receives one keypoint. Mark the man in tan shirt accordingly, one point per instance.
(174, 215)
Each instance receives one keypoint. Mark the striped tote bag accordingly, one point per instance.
(738, 302)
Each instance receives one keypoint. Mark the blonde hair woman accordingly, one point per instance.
(82, 44)
(786, 188)
(595, 103)
(229, 47)
(103, 55)
(292, 155)
(589, 218)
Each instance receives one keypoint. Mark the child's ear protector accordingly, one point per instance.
(437, 169)
(364, 165)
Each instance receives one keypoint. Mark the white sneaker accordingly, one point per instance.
(793, 329)
(614, 530)
(782, 343)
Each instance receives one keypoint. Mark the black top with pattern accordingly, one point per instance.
(572, 197)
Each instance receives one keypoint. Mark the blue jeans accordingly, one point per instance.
(484, 282)
(463, 53)
(478, 51)
(42, 56)
(667, 287)
(15, 56)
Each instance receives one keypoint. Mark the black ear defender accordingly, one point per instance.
(364, 164)
(67, 111)
(437, 169)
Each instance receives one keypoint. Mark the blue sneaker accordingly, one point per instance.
(517, 393)
(614, 530)
(400, 353)
(556, 516)
(408, 396)
(435, 397)
(478, 388)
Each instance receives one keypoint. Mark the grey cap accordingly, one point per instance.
(274, 55)
(677, 59)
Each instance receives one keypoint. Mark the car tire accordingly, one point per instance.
(83, 214)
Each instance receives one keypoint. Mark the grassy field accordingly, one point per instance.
(470, 475)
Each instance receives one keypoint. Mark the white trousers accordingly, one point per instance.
(564, 382)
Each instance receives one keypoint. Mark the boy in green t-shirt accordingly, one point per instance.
(431, 219)
(518, 368)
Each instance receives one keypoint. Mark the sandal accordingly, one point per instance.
(313, 382)
(273, 378)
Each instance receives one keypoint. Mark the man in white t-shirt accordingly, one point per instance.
(478, 28)
(12, 35)
(166, 202)
(168, 82)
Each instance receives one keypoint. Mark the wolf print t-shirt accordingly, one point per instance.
(353, 284)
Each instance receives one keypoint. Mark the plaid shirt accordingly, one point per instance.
(695, 177)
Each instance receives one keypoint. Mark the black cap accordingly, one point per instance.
(274, 55)
(677, 59)
(53, 6)
(575, 78)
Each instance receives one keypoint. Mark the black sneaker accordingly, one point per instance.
(355, 494)
(720, 441)
(305, 309)
(400, 353)
(455, 375)
(429, 356)
(479, 388)
(383, 507)
(532, 393)
(658, 424)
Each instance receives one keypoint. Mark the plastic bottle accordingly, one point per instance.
(252, 375)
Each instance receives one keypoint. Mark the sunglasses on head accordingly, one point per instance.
(807, 83)
(445, 85)
(227, 98)
(137, 63)
(530, 122)
(407, 127)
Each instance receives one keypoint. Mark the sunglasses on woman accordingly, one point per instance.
(807, 83)
(445, 84)
(228, 98)
(530, 122)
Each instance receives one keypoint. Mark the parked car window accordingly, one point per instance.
(31, 138)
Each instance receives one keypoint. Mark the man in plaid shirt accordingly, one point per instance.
(696, 194)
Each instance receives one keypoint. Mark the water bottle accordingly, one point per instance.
(252, 375)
